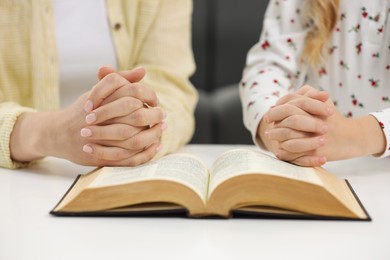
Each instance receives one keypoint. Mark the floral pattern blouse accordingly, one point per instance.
(356, 68)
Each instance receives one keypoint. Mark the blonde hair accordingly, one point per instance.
(324, 15)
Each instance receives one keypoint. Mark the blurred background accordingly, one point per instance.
(223, 32)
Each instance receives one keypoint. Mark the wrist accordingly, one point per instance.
(25, 140)
(367, 136)
(34, 136)
(373, 138)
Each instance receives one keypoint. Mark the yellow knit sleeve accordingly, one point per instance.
(167, 56)
(9, 113)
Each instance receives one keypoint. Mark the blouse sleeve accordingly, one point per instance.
(273, 65)
(383, 118)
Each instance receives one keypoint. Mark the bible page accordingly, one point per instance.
(182, 168)
(241, 161)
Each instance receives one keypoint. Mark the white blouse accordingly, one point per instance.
(356, 71)
(84, 44)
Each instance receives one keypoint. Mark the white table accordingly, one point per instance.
(27, 231)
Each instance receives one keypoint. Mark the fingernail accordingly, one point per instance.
(88, 106)
(266, 133)
(277, 154)
(90, 118)
(321, 140)
(265, 118)
(325, 128)
(329, 111)
(85, 132)
(159, 147)
(87, 149)
(164, 126)
(322, 160)
(165, 114)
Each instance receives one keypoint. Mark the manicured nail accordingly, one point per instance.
(90, 118)
(159, 147)
(325, 129)
(88, 106)
(321, 140)
(164, 126)
(87, 149)
(329, 111)
(85, 132)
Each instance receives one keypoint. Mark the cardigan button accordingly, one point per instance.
(117, 26)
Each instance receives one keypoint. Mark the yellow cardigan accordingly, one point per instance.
(154, 34)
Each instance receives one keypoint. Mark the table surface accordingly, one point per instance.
(28, 231)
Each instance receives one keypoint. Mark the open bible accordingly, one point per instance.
(241, 182)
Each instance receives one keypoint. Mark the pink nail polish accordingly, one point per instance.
(329, 111)
(90, 118)
(88, 106)
(87, 149)
(325, 129)
(85, 132)
(159, 147)
(164, 126)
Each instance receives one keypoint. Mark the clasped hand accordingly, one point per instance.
(117, 122)
(305, 128)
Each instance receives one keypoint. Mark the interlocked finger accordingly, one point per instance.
(110, 132)
(103, 89)
(131, 158)
(310, 161)
(135, 90)
(303, 145)
(283, 134)
(303, 123)
(141, 117)
(139, 141)
(120, 107)
(281, 112)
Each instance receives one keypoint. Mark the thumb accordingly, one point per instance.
(134, 75)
